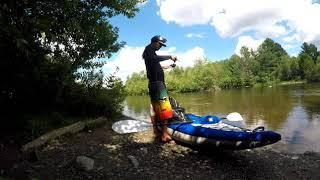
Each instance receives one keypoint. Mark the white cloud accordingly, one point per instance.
(196, 35)
(248, 42)
(129, 59)
(264, 18)
(189, 57)
(293, 38)
(185, 13)
(288, 46)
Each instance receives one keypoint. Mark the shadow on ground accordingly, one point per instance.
(136, 156)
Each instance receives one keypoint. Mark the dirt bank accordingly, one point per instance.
(136, 156)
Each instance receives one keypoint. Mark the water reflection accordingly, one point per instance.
(258, 106)
(137, 107)
(292, 110)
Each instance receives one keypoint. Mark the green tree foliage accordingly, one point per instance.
(309, 62)
(268, 57)
(284, 70)
(45, 43)
(232, 73)
(197, 78)
(238, 70)
(138, 83)
(310, 70)
(311, 50)
(269, 64)
(246, 64)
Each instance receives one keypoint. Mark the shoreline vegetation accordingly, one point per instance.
(269, 65)
(51, 72)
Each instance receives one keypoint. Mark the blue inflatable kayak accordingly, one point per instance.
(212, 131)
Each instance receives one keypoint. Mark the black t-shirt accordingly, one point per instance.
(152, 62)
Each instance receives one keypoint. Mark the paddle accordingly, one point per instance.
(132, 126)
(233, 117)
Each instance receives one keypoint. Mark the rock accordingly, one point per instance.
(111, 147)
(134, 161)
(85, 163)
(100, 168)
(294, 157)
(144, 150)
(176, 150)
(310, 153)
(276, 151)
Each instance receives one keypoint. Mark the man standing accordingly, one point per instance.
(160, 110)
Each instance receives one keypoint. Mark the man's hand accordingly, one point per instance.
(174, 58)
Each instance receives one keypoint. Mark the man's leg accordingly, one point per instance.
(165, 137)
(161, 105)
(162, 123)
(156, 129)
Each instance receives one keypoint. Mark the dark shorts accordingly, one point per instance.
(160, 100)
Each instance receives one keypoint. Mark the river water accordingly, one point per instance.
(291, 110)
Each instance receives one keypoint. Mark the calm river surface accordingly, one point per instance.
(291, 110)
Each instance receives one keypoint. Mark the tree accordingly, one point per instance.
(294, 66)
(310, 50)
(137, 83)
(285, 72)
(247, 62)
(306, 66)
(268, 56)
(44, 43)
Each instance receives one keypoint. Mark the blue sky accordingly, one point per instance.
(215, 29)
(139, 30)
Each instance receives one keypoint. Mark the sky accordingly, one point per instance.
(212, 29)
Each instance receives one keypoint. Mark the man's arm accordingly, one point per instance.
(166, 64)
(161, 57)
(151, 54)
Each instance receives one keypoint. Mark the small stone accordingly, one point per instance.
(134, 161)
(194, 152)
(85, 163)
(144, 150)
(100, 168)
(111, 147)
(294, 157)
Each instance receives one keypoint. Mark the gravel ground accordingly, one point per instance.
(137, 156)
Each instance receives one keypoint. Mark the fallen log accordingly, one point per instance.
(71, 129)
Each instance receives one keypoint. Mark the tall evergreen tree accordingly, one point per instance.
(310, 50)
